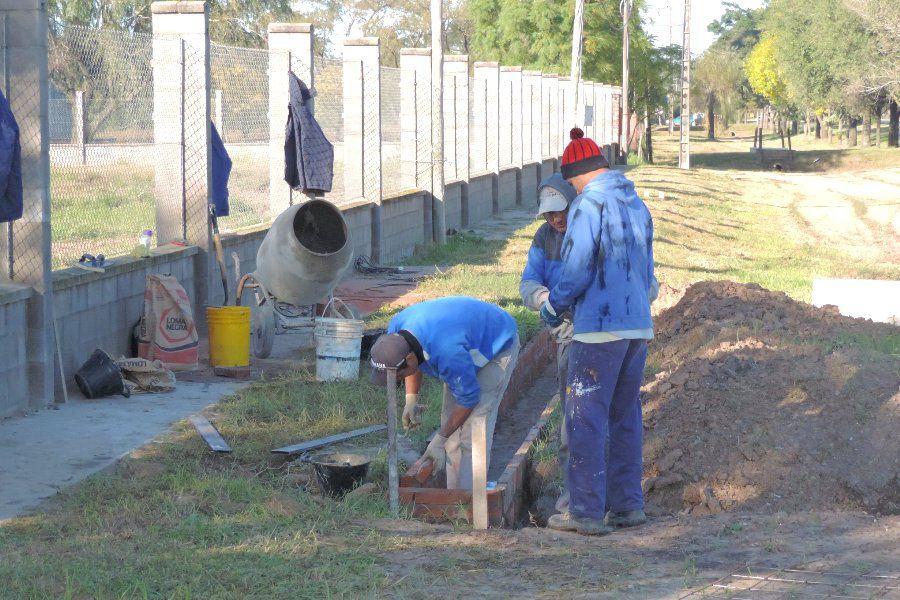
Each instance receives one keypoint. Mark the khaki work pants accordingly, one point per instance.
(493, 378)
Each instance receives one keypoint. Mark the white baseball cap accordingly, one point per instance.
(551, 199)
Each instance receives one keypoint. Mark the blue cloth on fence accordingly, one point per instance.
(603, 402)
(10, 164)
(221, 171)
(308, 155)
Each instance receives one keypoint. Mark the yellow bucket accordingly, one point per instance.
(229, 336)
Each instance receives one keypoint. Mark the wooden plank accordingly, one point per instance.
(210, 434)
(325, 441)
(393, 475)
(479, 473)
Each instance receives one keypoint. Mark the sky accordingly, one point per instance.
(703, 12)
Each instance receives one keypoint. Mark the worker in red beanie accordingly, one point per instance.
(607, 283)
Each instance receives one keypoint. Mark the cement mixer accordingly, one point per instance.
(300, 261)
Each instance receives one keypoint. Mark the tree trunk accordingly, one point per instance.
(851, 133)
(878, 127)
(818, 135)
(781, 131)
(829, 131)
(795, 126)
(671, 117)
(840, 133)
(710, 116)
(867, 130)
(649, 144)
(893, 124)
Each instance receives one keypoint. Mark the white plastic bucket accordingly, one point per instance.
(338, 343)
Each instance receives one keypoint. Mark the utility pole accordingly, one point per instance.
(577, 45)
(669, 97)
(439, 227)
(684, 153)
(625, 8)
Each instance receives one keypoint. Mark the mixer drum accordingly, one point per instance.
(305, 253)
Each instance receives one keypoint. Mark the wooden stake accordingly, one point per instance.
(393, 475)
(479, 473)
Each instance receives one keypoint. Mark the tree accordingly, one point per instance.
(717, 78)
(764, 74)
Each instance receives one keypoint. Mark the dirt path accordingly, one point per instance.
(856, 211)
(668, 558)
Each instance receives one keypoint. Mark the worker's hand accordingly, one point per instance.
(550, 317)
(435, 452)
(412, 412)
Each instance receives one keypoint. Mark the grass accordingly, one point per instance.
(174, 521)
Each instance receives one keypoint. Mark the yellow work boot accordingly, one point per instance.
(583, 525)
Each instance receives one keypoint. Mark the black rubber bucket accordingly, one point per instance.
(339, 473)
(99, 377)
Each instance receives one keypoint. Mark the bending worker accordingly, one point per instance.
(607, 280)
(542, 273)
(472, 347)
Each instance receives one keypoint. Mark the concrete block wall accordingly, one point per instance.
(547, 168)
(404, 225)
(481, 198)
(359, 220)
(528, 182)
(453, 198)
(99, 310)
(507, 188)
(13, 335)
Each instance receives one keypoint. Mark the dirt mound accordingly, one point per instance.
(760, 401)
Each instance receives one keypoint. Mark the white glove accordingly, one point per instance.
(412, 412)
(436, 453)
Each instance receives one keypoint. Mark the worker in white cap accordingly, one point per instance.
(541, 274)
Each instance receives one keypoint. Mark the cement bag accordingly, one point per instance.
(142, 375)
(167, 330)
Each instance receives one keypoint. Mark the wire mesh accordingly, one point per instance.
(195, 115)
(390, 130)
(328, 84)
(101, 152)
(371, 114)
(239, 100)
(23, 242)
(476, 134)
(450, 127)
(423, 155)
(767, 583)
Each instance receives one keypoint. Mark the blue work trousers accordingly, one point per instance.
(604, 403)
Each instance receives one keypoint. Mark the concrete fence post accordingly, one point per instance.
(290, 50)
(79, 125)
(219, 114)
(181, 118)
(616, 123)
(362, 129)
(566, 112)
(456, 78)
(488, 74)
(25, 244)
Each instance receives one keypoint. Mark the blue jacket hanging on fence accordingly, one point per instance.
(221, 170)
(10, 165)
(308, 155)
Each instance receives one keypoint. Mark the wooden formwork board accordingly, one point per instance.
(506, 499)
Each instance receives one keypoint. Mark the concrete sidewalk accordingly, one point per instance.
(49, 450)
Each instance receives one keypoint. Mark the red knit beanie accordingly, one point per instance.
(582, 155)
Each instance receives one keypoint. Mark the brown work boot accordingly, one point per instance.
(628, 518)
(583, 525)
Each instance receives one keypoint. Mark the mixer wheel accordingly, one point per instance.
(262, 335)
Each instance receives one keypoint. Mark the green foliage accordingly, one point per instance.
(764, 74)
(717, 80)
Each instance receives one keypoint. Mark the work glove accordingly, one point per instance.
(549, 317)
(435, 452)
(412, 412)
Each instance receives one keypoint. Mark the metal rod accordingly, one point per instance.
(325, 441)
(393, 475)
(439, 229)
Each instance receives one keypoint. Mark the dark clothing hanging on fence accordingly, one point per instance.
(10, 164)
(308, 155)
(221, 170)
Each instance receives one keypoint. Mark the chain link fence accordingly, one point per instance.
(101, 129)
(328, 84)
(239, 100)
(391, 179)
